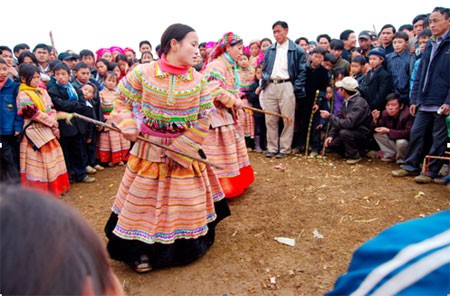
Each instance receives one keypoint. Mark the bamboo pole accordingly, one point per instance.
(310, 124)
(115, 128)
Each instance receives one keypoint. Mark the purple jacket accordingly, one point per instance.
(399, 127)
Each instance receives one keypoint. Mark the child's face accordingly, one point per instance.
(117, 71)
(336, 52)
(7, 56)
(62, 76)
(329, 93)
(258, 73)
(399, 45)
(423, 42)
(89, 60)
(83, 75)
(123, 66)
(254, 50)
(355, 68)
(88, 91)
(3, 72)
(243, 61)
(101, 68)
(375, 61)
(145, 47)
(327, 65)
(316, 59)
(146, 58)
(264, 46)
(110, 82)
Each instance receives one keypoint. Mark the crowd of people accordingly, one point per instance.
(205, 102)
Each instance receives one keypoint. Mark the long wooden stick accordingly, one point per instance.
(115, 128)
(288, 120)
(53, 44)
(308, 135)
(331, 112)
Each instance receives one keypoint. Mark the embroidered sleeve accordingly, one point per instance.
(192, 138)
(130, 88)
(218, 86)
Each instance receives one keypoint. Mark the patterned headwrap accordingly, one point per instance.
(116, 48)
(127, 49)
(101, 51)
(228, 38)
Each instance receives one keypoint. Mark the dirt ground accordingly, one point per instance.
(346, 204)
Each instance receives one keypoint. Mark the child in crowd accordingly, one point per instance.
(113, 148)
(92, 98)
(132, 63)
(122, 61)
(104, 53)
(260, 121)
(42, 164)
(247, 77)
(102, 68)
(256, 56)
(378, 80)
(265, 43)
(357, 68)
(66, 98)
(88, 57)
(129, 53)
(7, 55)
(398, 65)
(114, 67)
(10, 126)
(146, 57)
(338, 75)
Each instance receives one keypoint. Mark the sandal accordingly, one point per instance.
(142, 265)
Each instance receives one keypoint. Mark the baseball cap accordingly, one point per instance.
(365, 35)
(65, 56)
(349, 83)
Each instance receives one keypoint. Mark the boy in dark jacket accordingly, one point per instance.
(378, 81)
(392, 129)
(260, 122)
(66, 98)
(10, 126)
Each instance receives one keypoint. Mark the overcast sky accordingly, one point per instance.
(94, 24)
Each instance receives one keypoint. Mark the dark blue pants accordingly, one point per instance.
(74, 155)
(426, 123)
(349, 143)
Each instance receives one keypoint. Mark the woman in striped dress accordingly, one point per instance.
(225, 144)
(42, 163)
(113, 147)
(167, 205)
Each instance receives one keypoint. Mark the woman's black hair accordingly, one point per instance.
(112, 65)
(175, 31)
(121, 57)
(145, 42)
(102, 60)
(25, 54)
(132, 61)
(266, 39)
(27, 71)
(48, 248)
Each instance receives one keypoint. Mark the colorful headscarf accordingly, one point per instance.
(112, 49)
(127, 49)
(228, 38)
(101, 52)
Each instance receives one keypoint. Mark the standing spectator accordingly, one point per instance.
(10, 126)
(19, 48)
(349, 39)
(398, 66)
(145, 46)
(378, 80)
(350, 130)
(392, 129)
(42, 55)
(365, 43)
(430, 101)
(7, 55)
(423, 38)
(418, 24)
(337, 48)
(386, 37)
(284, 75)
(324, 40)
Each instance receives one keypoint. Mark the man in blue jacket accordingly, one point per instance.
(283, 81)
(10, 126)
(430, 101)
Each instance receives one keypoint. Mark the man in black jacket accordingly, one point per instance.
(350, 129)
(283, 81)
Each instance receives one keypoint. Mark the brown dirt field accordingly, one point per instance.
(346, 204)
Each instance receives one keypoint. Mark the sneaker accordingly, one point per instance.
(388, 159)
(313, 154)
(281, 155)
(402, 173)
(90, 170)
(295, 150)
(99, 167)
(88, 179)
(270, 154)
(353, 160)
(422, 179)
(121, 163)
(439, 180)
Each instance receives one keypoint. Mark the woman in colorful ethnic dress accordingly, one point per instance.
(42, 163)
(225, 144)
(167, 205)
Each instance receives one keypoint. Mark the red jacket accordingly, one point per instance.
(399, 127)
